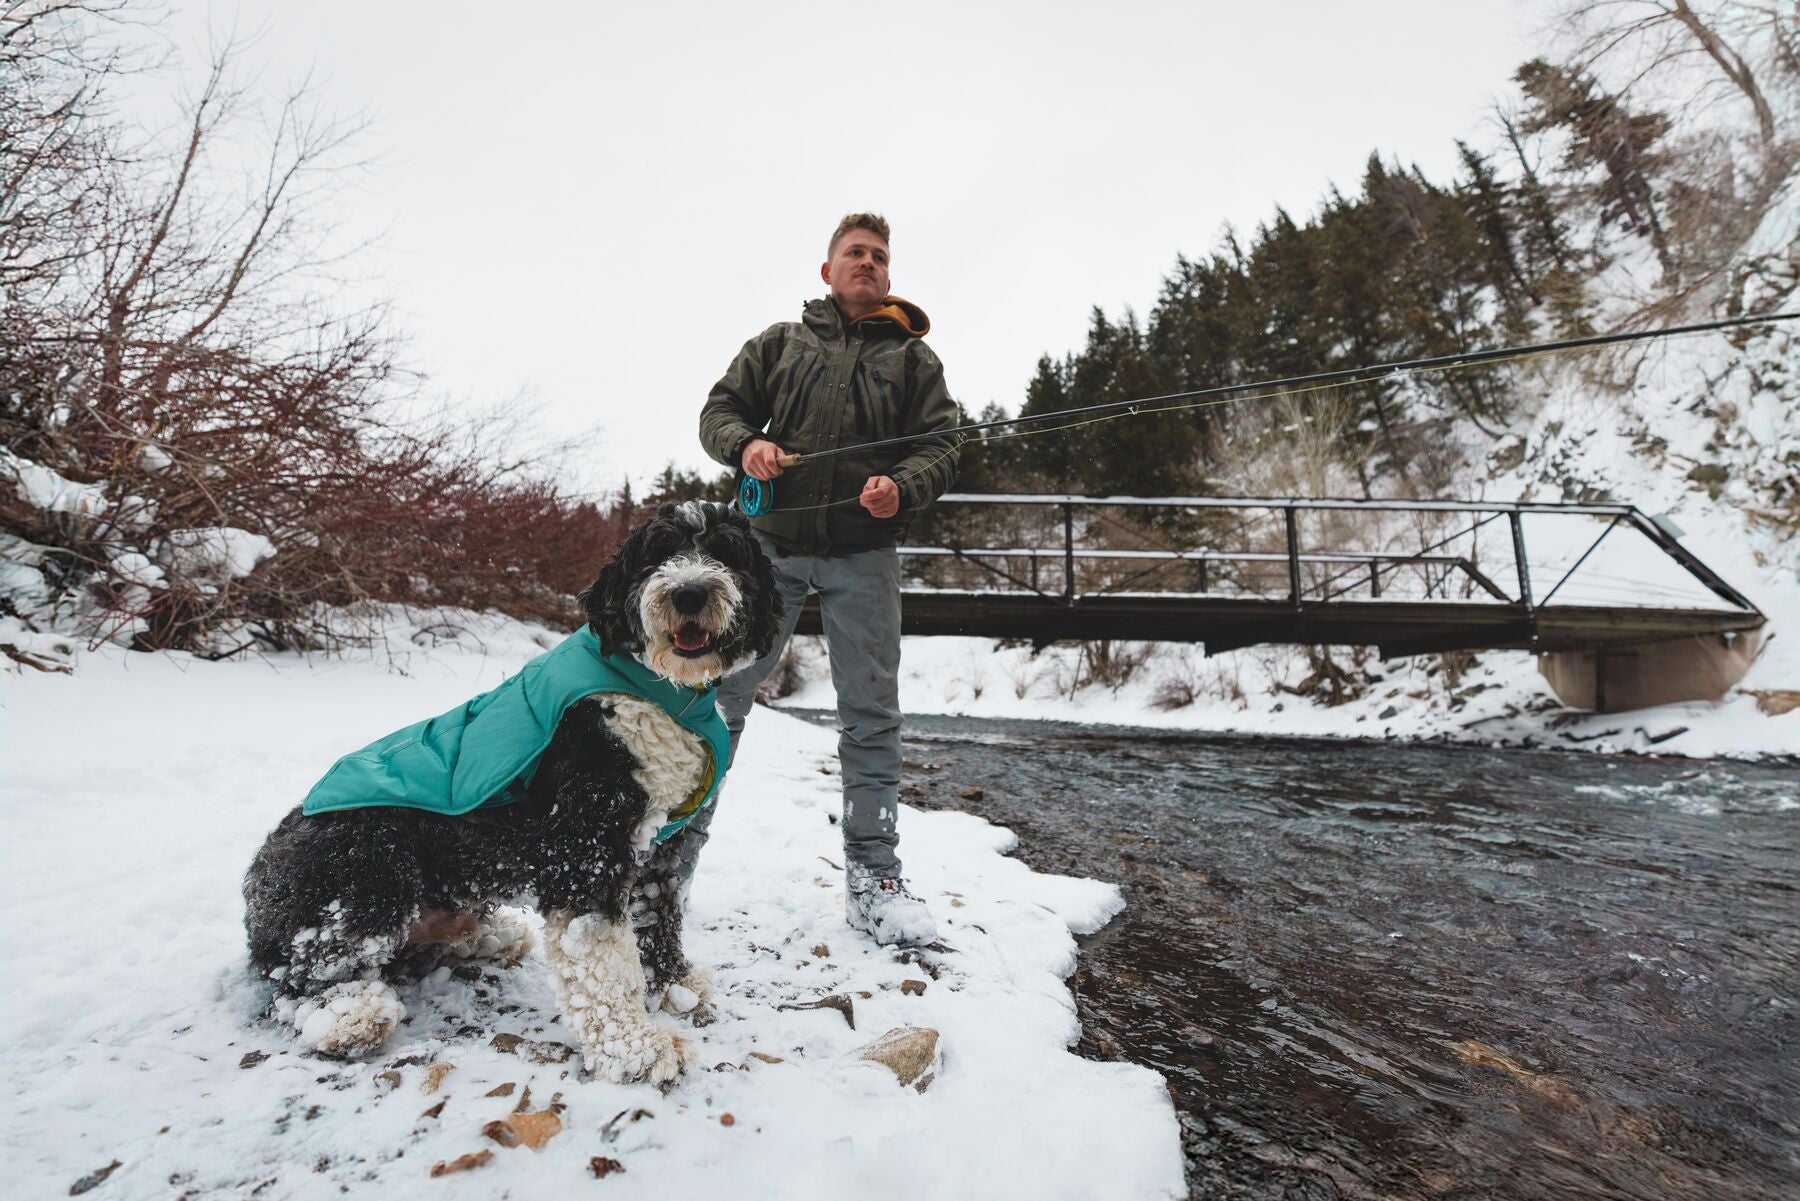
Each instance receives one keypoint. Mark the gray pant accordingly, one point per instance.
(859, 599)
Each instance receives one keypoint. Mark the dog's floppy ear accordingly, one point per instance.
(608, 600)
(761, 635)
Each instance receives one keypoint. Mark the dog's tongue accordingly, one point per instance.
(690, 637)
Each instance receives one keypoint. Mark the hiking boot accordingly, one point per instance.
(882, 908)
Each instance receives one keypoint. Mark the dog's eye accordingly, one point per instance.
(661, 540)
(728, 547)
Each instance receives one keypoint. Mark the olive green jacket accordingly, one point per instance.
(817, 383)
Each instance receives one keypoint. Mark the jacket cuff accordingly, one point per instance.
(736, 458)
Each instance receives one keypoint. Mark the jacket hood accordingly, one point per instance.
(908, 316)
(904, 313)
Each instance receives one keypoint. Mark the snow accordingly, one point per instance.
(46, 489)
(154, 458)
(1501, 700)
(134, 567)
(217, 553)
(137, 789)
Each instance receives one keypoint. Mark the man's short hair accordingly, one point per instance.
(875, 223)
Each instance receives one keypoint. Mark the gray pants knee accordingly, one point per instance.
(859, 599)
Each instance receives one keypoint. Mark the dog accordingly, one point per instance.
(339, 903)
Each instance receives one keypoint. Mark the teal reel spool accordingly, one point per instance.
(755, 497)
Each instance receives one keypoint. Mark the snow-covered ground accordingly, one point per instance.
(1499, 701)
(135, 791)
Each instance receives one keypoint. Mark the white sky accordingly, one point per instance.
(600, 203)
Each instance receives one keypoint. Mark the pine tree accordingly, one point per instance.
(1051, 458)
(1604, 134)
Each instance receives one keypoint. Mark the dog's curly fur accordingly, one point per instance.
(333, 899)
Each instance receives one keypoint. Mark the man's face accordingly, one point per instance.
(858, 272)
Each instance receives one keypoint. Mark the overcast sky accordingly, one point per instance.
(600, 203)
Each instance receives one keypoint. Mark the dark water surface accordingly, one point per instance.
(1388, 970)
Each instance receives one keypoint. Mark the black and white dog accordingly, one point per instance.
(336, 901)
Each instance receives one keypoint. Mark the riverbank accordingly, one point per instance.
(136, 789)
(1493, 699)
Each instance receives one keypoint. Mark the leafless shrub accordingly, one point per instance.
(1175, 691)
(169, 346)
(1109, 663)
(1026, 672)
(1454, 665)
(790, 672)
(1330, 679)
(1190, 677)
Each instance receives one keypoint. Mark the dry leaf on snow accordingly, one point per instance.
(462, 1163)
(525, 1129)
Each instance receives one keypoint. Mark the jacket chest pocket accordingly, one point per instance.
(881, 388)
(801, 377)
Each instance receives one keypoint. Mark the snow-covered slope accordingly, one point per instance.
(135, 791)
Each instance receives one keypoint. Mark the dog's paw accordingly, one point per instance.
(699, 981)
(691, 998)
(631, 1053)
(349, 1019)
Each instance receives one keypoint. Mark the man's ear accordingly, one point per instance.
(825, 271)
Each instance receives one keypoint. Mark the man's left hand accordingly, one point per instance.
(881, 496)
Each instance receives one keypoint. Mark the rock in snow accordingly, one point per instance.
(906, 1051)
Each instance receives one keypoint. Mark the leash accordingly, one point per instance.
(756, 497)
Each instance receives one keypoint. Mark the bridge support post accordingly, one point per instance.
(1069, 553)
(1293, 556)
(1520, 565)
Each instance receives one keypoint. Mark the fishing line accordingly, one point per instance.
(760, 493)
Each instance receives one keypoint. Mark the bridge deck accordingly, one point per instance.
(1227, 623)
(1072, 586)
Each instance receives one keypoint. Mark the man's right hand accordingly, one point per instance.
(761, 458)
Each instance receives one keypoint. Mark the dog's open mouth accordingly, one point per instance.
(692, 640)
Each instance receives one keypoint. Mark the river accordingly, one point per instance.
(1414, 971)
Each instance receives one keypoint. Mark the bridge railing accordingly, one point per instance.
(1066, 563)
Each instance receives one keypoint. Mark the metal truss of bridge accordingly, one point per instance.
(1408, 577)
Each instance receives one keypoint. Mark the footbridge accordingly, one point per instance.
(1405, 576)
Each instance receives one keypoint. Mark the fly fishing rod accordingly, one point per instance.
(756, 497)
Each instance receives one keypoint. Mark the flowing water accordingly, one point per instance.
(1387, 970)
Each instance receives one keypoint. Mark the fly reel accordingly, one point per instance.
(755, 497)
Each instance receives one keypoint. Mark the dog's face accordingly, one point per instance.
(689, 593)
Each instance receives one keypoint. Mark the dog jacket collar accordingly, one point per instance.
(485, 752)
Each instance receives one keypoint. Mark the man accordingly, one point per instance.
(852, 370)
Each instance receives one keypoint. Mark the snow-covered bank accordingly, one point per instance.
(1500, 700)
(135, 791)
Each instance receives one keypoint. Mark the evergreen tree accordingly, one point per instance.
(1051, 458)
(1147, 453)
(1192, 342)
(1489, 202)
(1603, 134)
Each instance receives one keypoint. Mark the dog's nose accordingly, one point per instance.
(688, 599)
